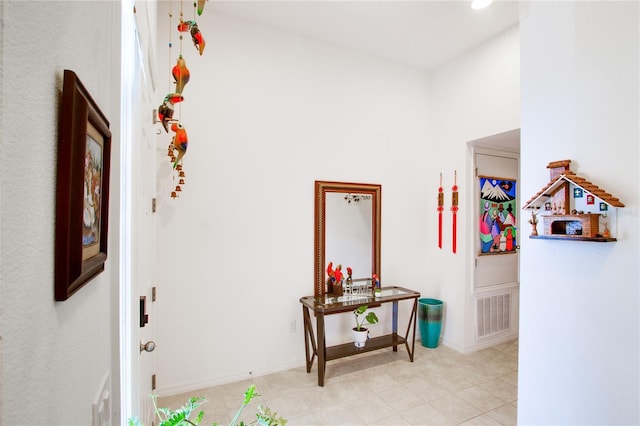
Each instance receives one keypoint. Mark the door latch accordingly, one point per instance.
(144, 317)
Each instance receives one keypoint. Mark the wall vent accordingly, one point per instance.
(493, 314)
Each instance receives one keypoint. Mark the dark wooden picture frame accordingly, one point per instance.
(82, 193)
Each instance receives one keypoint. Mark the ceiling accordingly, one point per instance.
(423, 34)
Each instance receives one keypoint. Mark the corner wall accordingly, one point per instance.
(55, 355)
(268, 113)
(579, 325)
(473, 97)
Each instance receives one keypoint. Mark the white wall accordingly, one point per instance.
(268, 113)
(474, 96)
(54, 354)
(579, 329)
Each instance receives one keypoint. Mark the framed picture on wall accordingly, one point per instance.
(497, 221)
(82, 193)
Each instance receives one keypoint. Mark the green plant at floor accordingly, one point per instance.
(370, 318)
(181, 416)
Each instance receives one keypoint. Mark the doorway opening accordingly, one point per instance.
(494, 290)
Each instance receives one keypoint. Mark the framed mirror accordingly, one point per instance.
(347, 229)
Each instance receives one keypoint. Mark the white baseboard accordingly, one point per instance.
(194, 386)
(484, 344)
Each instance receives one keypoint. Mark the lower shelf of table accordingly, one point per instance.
(373, 344)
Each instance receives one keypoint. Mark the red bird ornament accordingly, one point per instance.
(196, 35)
(165, 113)
(180, 141)
(180, 74)
(197, 38)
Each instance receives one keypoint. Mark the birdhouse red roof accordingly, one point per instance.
(561, 174)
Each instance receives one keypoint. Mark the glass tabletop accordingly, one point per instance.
(387, 294)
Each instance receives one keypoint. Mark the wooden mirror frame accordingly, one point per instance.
(321, 189)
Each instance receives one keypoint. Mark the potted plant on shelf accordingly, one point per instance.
(360, 333)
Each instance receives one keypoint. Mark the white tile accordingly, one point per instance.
(426, 414)
(441, 387)
(506, 414)
(338, 415)
(480, 398)
(501, 388)
(456, 409)
(400, 398)
(371, 408)
(481, 420)
(395, 420)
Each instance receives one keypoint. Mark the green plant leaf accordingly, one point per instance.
(267, 418)
(371, 318)
(175, 420)
(250, 394)
(180, 416)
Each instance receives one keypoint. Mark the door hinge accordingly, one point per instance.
(153, 294)
(153, 382)
(153, 205)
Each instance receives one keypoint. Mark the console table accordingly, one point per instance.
(315, 344)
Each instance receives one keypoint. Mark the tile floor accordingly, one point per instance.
(441, 387)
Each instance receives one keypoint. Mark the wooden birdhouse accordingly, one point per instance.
(573, 208)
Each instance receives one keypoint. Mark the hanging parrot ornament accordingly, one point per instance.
(201, 6)
(166, 109)
(180, 142)
(196, 35)
(185, 26)
(165, 113)
(174, 98)
(180, 74)
(197, 38)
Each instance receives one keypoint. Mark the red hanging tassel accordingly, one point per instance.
(440, 209)
(454, 207)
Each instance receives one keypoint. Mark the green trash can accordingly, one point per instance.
(430, 319)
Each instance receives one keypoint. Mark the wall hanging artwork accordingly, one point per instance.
(498, 232)
(82, 194)
(180, 76)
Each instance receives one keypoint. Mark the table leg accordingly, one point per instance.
(394, 323)
(308, 337)
(322, 348)
(412, 318)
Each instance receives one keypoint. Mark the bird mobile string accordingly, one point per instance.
(181, 76)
